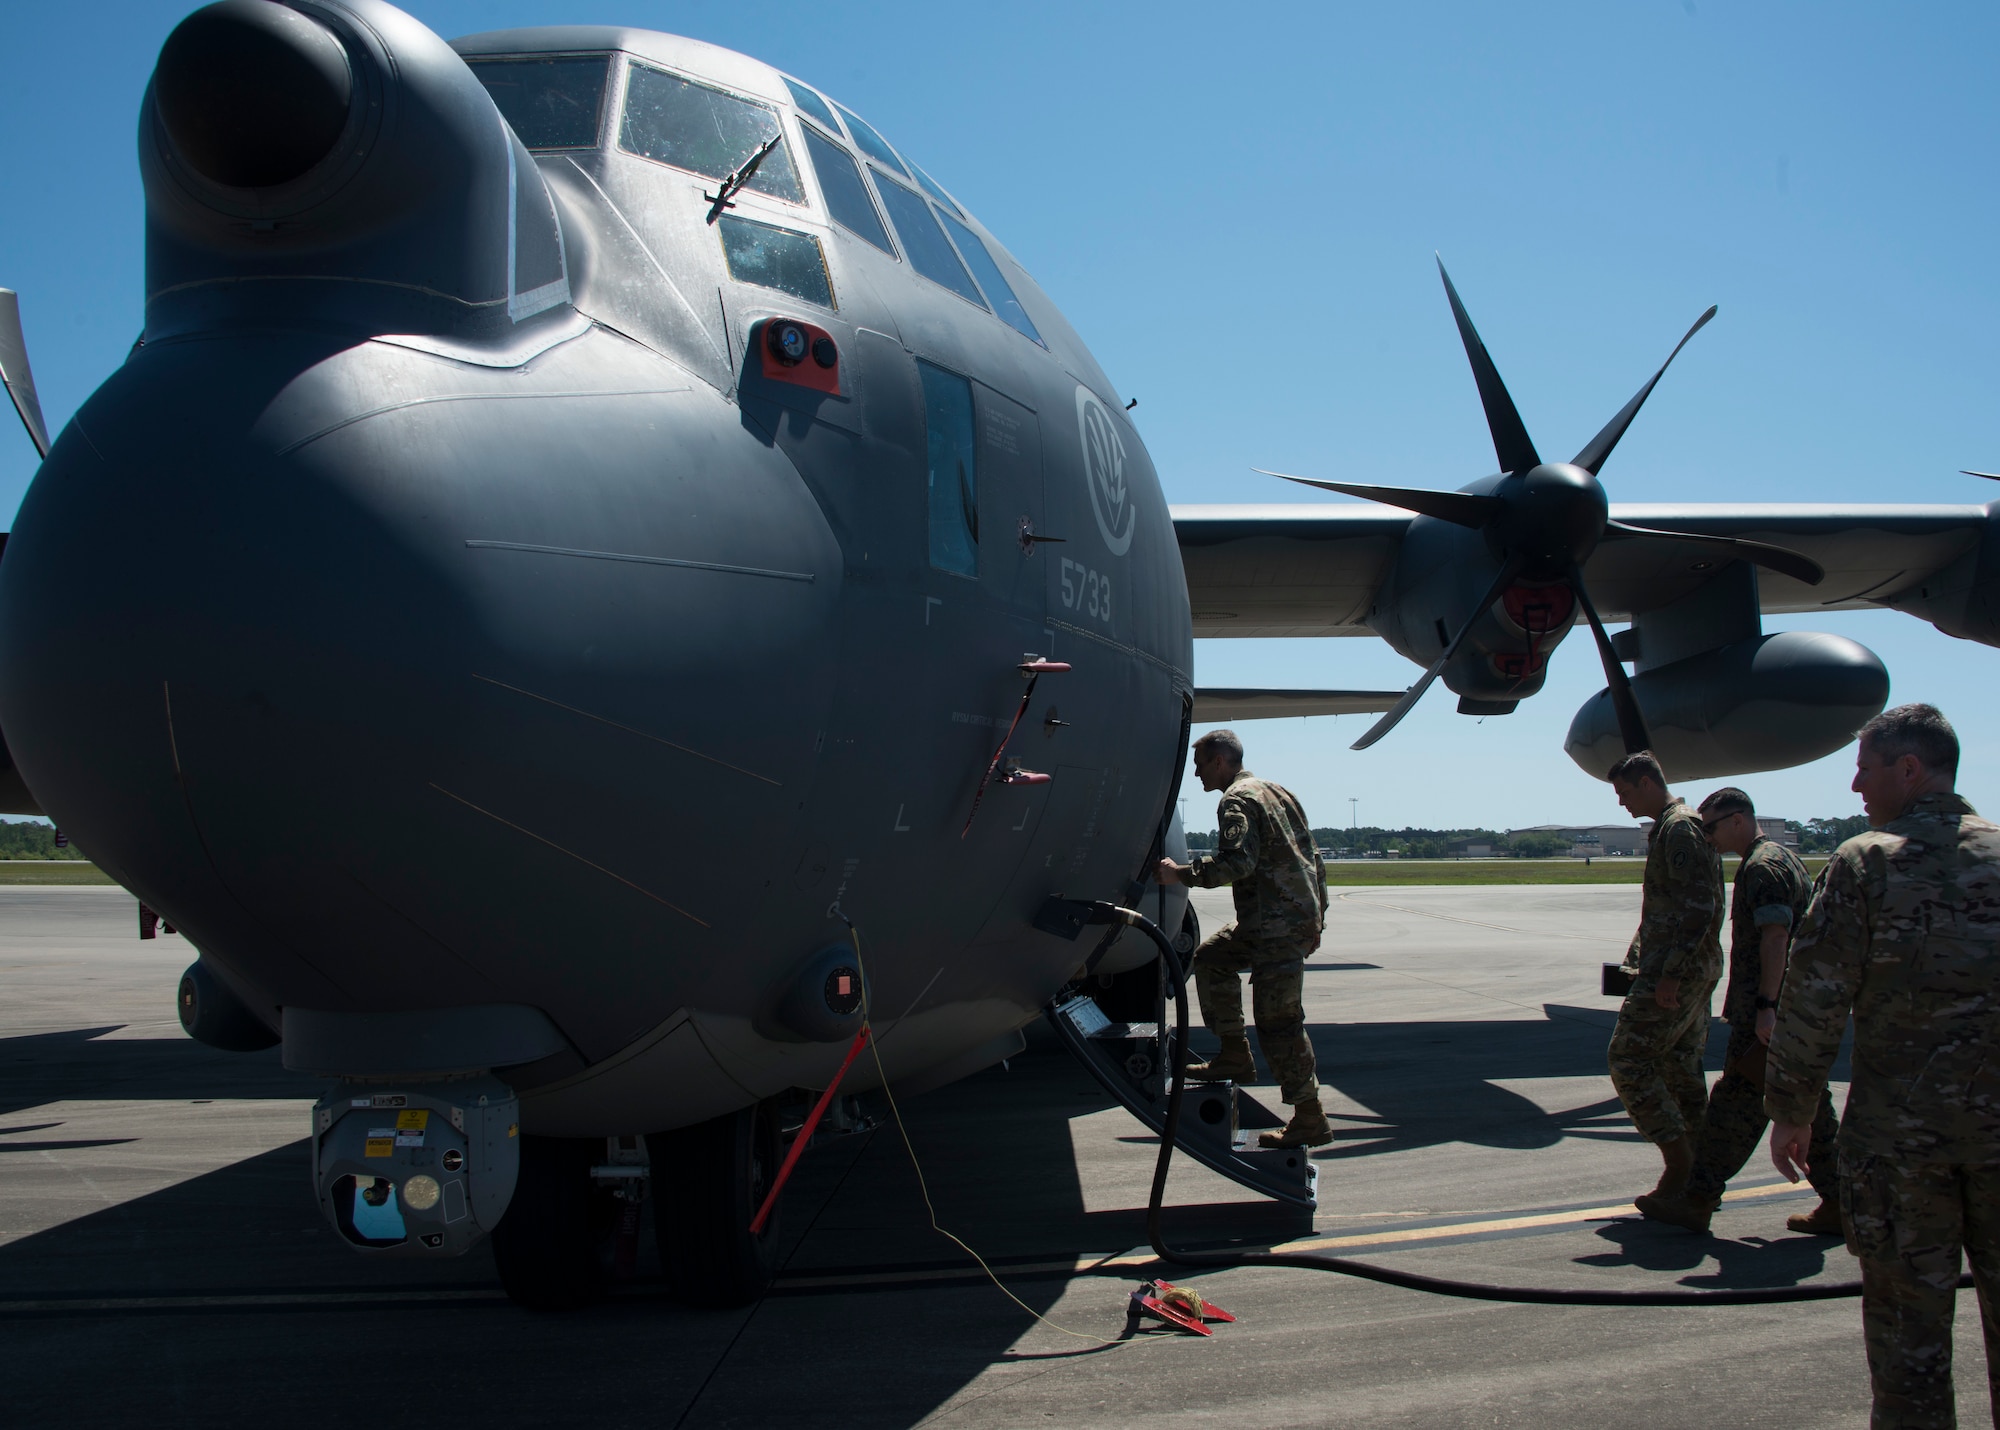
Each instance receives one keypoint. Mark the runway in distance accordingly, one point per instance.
(612, 464)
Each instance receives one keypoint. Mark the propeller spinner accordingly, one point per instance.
(1544, 519)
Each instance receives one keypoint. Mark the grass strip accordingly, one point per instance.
(1351, 873)
(51, 871)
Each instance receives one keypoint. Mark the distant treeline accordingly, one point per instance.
(25, 839)
(1409, 843)
(1816, 836)
(1823, 836)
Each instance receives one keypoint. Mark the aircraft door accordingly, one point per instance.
(1010, 502)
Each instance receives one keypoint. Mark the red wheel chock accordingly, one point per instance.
(1177, 1305)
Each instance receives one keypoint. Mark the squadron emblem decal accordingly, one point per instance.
(1104, 473)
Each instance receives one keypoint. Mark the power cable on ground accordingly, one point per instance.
(1436, 1285)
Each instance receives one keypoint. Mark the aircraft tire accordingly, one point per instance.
(708, 1182)
(546, 1245)
(211, 1013)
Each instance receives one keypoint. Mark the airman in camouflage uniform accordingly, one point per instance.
(1768, 901)
(1904, 932)
(1676, 957)
(1265, 850)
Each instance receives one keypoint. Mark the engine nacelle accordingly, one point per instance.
(1767, 703)
(1438, 576)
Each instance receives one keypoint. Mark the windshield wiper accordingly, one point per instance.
(733, 185)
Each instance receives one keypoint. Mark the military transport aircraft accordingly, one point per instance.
(617, 466)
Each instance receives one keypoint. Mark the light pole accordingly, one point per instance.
(1353, 812)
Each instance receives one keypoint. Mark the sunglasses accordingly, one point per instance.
(1709, 826)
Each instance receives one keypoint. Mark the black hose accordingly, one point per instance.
(1437, 1285)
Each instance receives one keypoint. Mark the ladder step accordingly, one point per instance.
(1219, 1120)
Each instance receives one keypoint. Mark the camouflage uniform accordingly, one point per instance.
(1904, 930)
(1264, 849)
(1771, 888)
(1655, 1052)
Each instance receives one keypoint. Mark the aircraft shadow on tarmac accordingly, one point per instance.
(996, 1149)
(1433, 1082)
(39, 1068)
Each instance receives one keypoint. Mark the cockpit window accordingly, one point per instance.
(552, 101)
(929, 250)
(846, 195)
(812, 104)
(773, 257)
(992, 280)
(931, 187)
(705, 131)
(870, 143)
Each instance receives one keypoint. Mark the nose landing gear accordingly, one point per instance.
(573, 1222)
(710, 1180)
(544, 1246)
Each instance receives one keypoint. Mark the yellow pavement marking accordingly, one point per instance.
(1101, 1262)
(1512, 1223)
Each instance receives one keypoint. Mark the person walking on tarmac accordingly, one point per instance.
(1768, 901)
(1676, 957)
(1265, 849)
(1904, 932)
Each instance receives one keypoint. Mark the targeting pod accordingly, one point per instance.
(419, 1171)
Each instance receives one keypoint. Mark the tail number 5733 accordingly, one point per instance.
(1085, 590)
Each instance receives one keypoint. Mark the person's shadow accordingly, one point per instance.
(1753, 1261)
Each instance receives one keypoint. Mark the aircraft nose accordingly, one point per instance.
(253, 94)
(479, 696)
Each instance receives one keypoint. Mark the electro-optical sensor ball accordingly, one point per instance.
(787, 341)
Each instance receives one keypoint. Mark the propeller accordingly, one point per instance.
(15, 374)
(1544, 519)
(1508, 571)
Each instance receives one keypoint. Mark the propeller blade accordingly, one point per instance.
(1990, 476)
(1458, 508)
(1510, 435)
(1416, 692)
(1781, 559)
(1592, 457)
(15, 374)
(1631, 723)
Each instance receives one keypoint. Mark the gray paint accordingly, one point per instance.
(417, 651)
(418, 1043)
(451, 613)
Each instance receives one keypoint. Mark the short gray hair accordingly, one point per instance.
(1919, 730)
(1222, 740)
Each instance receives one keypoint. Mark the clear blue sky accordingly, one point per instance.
(1237, 207)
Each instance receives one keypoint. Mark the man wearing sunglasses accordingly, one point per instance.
(1770, 897)
(1676, 957)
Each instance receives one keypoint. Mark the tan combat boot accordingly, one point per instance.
(1677, 1156)
(1308, 1128)
(1822, 1220)
(1232, 1064)
(1691, 1212)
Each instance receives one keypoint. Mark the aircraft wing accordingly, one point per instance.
(1285, 569)
(1299, 570)
(1218, 704)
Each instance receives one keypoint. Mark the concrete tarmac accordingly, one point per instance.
(162, 1262)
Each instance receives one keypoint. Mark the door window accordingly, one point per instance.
(954, 471)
